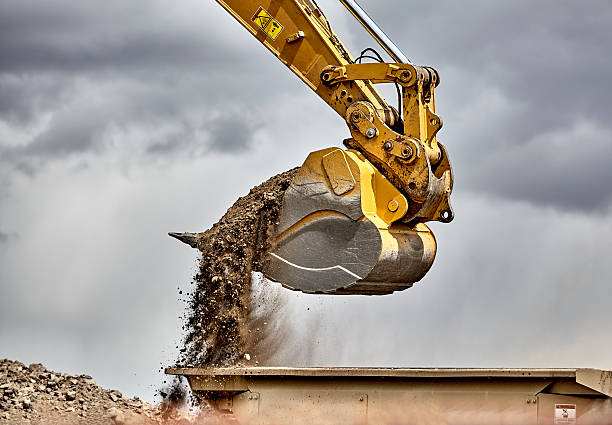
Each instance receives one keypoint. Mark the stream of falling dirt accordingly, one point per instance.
(234, 315)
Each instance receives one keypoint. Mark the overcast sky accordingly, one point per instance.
(123, 120)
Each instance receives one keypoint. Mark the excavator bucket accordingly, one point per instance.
(340, 231)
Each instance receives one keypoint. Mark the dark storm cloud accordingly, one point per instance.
(22, 98)
(80, 73)
(6, 237)
(74, 37)
(231, 134)
(569, 169)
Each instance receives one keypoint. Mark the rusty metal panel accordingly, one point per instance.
(571, 387)
(379, 372)
(298, 405)
(217, 383)
(599, 380)
(372, 400)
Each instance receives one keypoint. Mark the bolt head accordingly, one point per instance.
(393, 205)
(405, 75)
(407, 151)
(370, 132)
(388, 146)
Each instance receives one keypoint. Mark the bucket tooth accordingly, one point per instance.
(190, 239)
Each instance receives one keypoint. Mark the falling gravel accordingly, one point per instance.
(227, 321)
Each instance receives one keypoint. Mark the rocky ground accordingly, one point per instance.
(226, 324)
(34, 395)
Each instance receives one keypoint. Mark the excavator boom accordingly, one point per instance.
(353, 220)
(300, 36)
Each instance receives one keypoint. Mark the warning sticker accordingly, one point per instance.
(267, 23)
(565, 414)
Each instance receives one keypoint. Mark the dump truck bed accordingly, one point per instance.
(264, 395)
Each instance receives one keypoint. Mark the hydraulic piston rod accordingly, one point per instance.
(375, 31)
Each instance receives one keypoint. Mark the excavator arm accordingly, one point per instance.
(299, 35)
(353, 220)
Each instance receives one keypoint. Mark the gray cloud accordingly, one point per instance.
(231, 134)
(568, 168)
(81, 37)
(75, 83)
(6, 237)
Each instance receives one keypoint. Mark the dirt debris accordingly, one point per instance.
(34, 395)
(220, 327)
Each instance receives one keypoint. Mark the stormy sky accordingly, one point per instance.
(122, 120)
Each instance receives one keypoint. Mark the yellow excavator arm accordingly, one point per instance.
(299, 35)
(353, 220)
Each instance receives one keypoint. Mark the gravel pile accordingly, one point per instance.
(35, 395)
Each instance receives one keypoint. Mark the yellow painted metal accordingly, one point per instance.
(338, 172)
(413, 161)
(376, 194)
(310, 45)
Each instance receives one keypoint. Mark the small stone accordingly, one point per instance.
(42, 387)
(81, 401)
(26, 403)
(70, 395)
(116, 416)
(36, 367)
(115, 395)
